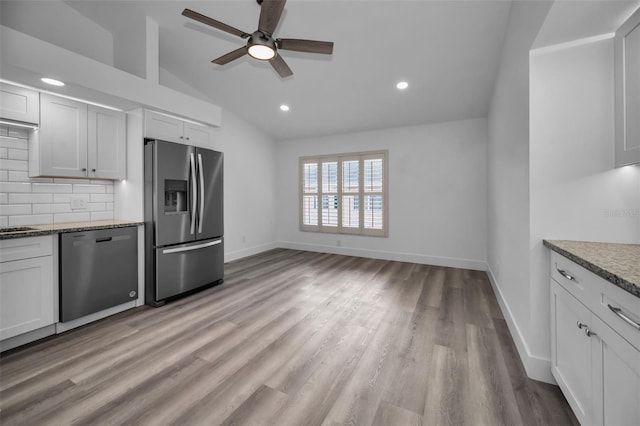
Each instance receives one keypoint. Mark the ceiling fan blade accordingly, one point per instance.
(310, 46)
(270, 13)
(215, 24)
(281, 66)
(231, 56)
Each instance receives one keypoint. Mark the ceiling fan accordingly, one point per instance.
(261, 44)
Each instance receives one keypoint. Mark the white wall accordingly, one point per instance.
(508, 182)
(575, 192)
(43, 19)
(437, 194)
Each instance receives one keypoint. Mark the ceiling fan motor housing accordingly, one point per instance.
(261, 42)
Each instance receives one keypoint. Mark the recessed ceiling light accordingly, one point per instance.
(284, 107)
(52, 81)
(402, 85)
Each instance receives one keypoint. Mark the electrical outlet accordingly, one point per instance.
(78, 203)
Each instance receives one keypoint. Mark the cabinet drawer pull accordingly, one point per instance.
(625, 318)
(564, 274)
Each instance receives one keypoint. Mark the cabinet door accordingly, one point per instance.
(26, 295)
(571, 351)
(161, 127)
(627, 81)
(618, 395)
(107, 143)
(63, 137)
(198, 135)
(18, 103)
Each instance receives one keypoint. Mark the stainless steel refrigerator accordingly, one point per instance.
(184, 224)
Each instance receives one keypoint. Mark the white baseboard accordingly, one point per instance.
(239, 254)
(479, 265)
(537, 368)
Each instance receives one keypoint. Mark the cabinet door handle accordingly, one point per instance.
(84, 169)
(93, 170)
(564, 274)
(624, 317)
(580, 325)
(588, 332)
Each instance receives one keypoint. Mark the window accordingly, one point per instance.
(345, 193)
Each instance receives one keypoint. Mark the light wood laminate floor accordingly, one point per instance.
(291, 338)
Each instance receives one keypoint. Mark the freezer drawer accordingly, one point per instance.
(98, 270)
(185, 267)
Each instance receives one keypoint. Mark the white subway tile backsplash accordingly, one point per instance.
(71, 217)
(88, 189)
(4, 152)
(4, 198)
(52, 188)
(33, 219)
(4, 175)
(14, 209)
(96, 207)
(102, 215)
(51, 208)
(109, 206)
(4, 221)
(109, 189)
(62, 198)
(30, 198)
(9, 142)
(20, 165)
(15, 187)
(18, 154)
(102, 198)
(18, 176)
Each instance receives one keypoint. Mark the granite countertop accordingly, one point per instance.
(54, 228)
(617, 263)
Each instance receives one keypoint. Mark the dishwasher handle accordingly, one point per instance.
(104, 239)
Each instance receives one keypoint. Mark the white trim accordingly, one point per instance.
(239, 254)
(537, 368)
(451, 262)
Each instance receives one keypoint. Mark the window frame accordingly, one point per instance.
(339, 159)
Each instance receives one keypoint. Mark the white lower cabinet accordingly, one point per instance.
(617, 380)
(27, 285)
(596, 363)
(571, 347)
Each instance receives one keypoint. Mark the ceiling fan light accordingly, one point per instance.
(261, 52)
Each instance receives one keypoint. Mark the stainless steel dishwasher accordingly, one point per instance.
(98, 270)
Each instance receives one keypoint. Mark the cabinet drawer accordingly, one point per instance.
(627, 316)
(25, 248)
(573, 277)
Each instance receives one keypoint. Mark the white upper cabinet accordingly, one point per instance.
(62, 137)
(20, 104)
(107, 156)
(627, 81)
(78, 140)
(166, 128)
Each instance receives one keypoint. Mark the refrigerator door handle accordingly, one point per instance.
(201, 174)
(189, 248)
(194, 193)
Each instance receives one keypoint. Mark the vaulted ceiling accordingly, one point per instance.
(448, 51)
